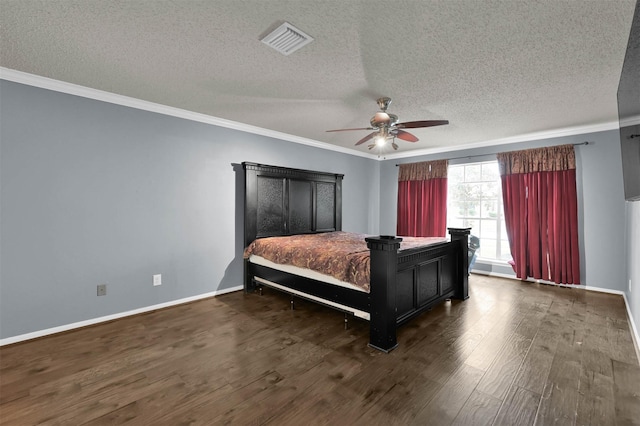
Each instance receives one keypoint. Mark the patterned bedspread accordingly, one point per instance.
(342, 255)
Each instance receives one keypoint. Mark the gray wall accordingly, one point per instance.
(601, 205)
(94, 193)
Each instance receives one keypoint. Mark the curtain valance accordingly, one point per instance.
(423, 171)
(549, 159)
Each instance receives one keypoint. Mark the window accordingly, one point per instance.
(475, 200)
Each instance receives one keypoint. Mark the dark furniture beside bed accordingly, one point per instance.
(282, 201)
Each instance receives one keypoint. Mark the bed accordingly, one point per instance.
(403, 282)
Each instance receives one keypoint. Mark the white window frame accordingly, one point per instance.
(502, 253)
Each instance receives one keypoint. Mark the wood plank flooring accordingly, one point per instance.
(513, 354)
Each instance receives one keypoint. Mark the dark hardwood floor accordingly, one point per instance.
(513, 354)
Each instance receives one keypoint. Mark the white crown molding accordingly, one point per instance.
(100, 95)
(549, 134)
(634, 120)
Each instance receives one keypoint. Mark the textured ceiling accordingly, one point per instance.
(494, 69)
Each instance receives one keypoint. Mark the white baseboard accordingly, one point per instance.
(634, 330)
(92, 321)
(493, 274)
(632, 325)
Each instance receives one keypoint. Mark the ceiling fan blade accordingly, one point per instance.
(366, 138)
(346, 130)
(406, 136)
(423, 123)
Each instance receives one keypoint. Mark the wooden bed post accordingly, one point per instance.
(382, 292)
(462, 287)
(249, 285)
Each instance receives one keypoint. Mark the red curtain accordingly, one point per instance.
(541, 213)
(422, 199)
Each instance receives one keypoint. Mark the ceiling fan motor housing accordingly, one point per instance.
(383, 119)
(380, 119)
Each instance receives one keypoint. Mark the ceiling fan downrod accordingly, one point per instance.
(384, 103)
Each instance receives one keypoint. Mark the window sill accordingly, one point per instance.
(494, 262)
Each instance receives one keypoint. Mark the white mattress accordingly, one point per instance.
(307, 273)
(356, 312)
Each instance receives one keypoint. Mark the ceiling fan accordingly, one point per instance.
(386, 127)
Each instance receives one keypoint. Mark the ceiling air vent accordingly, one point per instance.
(286, 39)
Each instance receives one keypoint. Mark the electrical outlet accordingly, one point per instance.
(157, 279)
(102, 289)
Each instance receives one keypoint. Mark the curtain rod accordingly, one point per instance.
(484, 155)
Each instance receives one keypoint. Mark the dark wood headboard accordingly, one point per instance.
(283, 201)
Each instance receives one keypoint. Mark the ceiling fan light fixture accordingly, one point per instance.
(380, 140)
(286, 39)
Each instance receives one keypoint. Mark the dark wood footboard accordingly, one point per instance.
(406, 283)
